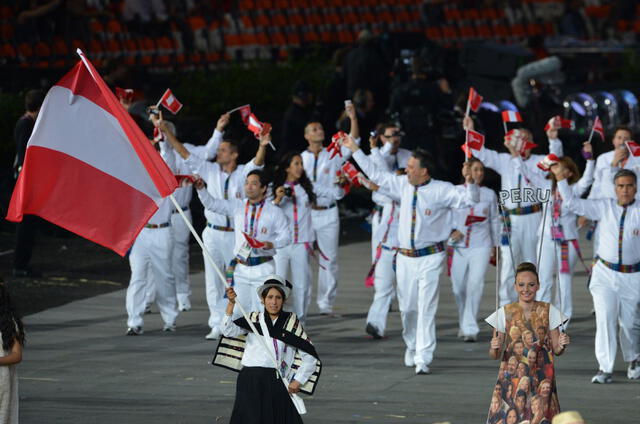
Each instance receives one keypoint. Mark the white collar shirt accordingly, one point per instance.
(611, 226)
(263, 221)
(322, 169)
(425, 211)
(603, 187)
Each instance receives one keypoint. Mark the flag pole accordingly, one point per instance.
(466, 132)
(238, 108)
(244, 312)
(160, 101)
(593, 127)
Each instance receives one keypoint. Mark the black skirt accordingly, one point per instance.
(261, 398)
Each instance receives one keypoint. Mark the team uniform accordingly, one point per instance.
(615, 275)
(559, 248)
(298, 210)
(479, 225)
(263, 221)
(321, 170)
(385, 237)
(519, 215)
(424, 225)
(218, 235)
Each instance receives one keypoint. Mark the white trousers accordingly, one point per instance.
(468, 268)
(550, 262)
(247, 280)
(384, 277)
(326, 225)
(151, 251)
(616, 297)
(524, 239)
(375, 223)
(220, 246)
(418, 294)
(296, 258)
(180, 257)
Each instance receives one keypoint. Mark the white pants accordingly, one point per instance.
(326, 225)
(220, 246)
(247, 279)
(151, 251)
(418, 294)
(550, 262)
(524, 239)
(296, 257)
(180, 257)
(468, 268)
(384, 277)
(376, 216)
(616, 297)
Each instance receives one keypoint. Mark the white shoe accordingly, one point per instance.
(633, 372)
(169, 328)
(134, 331)
(214, 334)
(602, 378)
(408, 358)
(422, 369)
(184, 308)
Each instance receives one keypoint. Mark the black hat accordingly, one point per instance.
(277, 282)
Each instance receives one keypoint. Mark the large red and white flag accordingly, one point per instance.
(88, 167)
(511, 116)
(170, 101)
(597, 127)
(474, 99)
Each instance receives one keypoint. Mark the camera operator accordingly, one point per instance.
(417, 103)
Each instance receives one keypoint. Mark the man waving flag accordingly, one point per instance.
(88, 167)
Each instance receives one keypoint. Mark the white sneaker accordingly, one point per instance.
(408, 358)
(134, 331)
(633, 372)
(422, 369)
(169, 328)
(602, 378)
(214, 334)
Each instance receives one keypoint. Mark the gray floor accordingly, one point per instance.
(80, 368)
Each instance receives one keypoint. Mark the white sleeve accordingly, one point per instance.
(492, 159)
(592, 209)
(555, 147)
(585, 181)
(230, 329)
(210, 150)
(221, 206)
(389, 180)
(497, 320)
(556, 319)
(307, 367)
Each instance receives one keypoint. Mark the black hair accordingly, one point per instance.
(234, 144)
(33, 100)
(11, 325)
(521, 393)
(623, 128)
(281, 175)
(381, 128)
(265, 292)
(262, 176)
(626, 173)
(425, 159)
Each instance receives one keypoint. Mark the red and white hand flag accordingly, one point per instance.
(351, 172)
(517, 139)
(558, 122)
(245, 113)
(474, 141)
(170, 101)
(597, 127)
(471, 219)
(88, 167)
(511, 116)
(474, 99)
(547, 161)
(335, 146)
(124, 94)
(256, 244)
(256, 127)
(634, 148)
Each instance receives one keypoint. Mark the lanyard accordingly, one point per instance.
(226, 195)
(315, 167)
(252, 227)
(414, 204)
(468, 235)
(621, 234)
(295, 211)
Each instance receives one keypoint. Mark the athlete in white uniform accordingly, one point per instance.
(615, 277)
(224, 180)
(321, 169)
(294, 194)
(424, 226)
(522, 211)
(262, 221)
(475, 237)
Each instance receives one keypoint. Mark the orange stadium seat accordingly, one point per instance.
(5, 12)
(278, 19)
(261, 19)
(131, 52)
(7, 53)
(6, 31)
(114, 29)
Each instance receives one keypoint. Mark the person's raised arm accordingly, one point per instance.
(221, 206)
(455, 199)
(586, 180)
(170, 136)
(228, 327)
(555, 144)
(258, 160)
(354, 130)
(490, 158)
(592, 209)
(382, 178)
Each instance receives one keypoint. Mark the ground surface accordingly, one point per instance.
(80, 368)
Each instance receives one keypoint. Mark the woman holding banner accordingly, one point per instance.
(261, 396)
